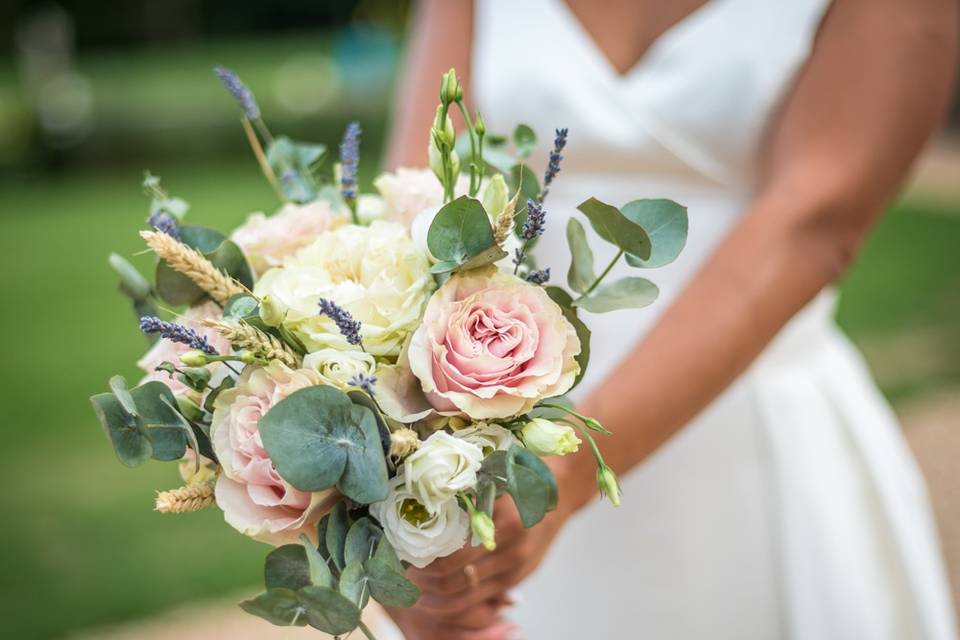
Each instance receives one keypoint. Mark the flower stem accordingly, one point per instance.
(601, 276)
(474, 153)
(262, 158)
(366, 630)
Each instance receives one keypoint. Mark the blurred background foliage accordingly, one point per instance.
(93, 93)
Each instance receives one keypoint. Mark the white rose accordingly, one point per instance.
(338, 367)
(266, 241)
(488, 436)
(419, 536)
(407, 192)
(442, 467)
(375, 273)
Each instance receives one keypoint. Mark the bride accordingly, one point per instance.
(768, 492)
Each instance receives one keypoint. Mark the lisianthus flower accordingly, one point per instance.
(491, 346)
(488, 436)
(440, 468)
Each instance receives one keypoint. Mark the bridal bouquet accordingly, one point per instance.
(356, 378)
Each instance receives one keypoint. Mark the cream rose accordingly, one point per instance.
(491, 346)
(165, 350)
(419, 536)
(442, 467)
(407, 192)
(266, 241)
(338, 367)
(254, 498)
(488, 436)
(375, 273)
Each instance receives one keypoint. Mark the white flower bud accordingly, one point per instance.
(194, 358)
(495, 196)
(546, 438)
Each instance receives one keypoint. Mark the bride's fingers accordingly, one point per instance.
(453, 563)
(448, 606)
(486, 566)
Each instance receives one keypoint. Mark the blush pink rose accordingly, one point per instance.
(407, 192)
(492, 345)
(254, 498)
(267, 240)
(165, 350)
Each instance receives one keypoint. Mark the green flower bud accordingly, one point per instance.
(609, 487)
(248, 357)
(271, 311)
(194, 358)
(495, 196)
(450, 89)
(190, 409)
(484, 529)
(546, 438)
(479, 126)
(132, 281)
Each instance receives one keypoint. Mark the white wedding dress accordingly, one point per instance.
(791, 507)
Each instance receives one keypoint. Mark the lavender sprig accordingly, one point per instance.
(365, 382)
(553, 166)
(540, 277)
(349, 327)
(533, 226)
(165, 223)
(177, 333)
(349, 159)
(240, 92)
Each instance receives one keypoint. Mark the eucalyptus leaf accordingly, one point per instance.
(580, 275)
(118, 385)
(208, 402)
(177, 289)
(164, 424)
(361, 540)
(286, 567)
(294, 163)
(338, 523)
(386, 553)
(525, 140)
(353, 583)
(625, 293)
(532, 485)
(460, 231)
(132, 282)
(129, 442)
(388, 586)
(317, 438)
(278, 606)
(328, 610)
(563, 299)
(319, 573)
(666, 225)
(242, 306)
(616, 228)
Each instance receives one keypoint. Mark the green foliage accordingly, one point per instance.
(279, 606)
(319, 571)
(317, 438)
(525, 140)
(335, 534)
(294, 164)
(287, 567)
(177, 289)
(580, 275)
(563, 299)
(616, 228)
(665, 223)
(460, 236)
(522, 178)
(329, 610)
(625, 293)
(141, 423)
(526, 478)
(361, 540)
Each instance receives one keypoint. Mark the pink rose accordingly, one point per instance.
(266, 241)
(492, 345)
(254, 498)
(169, 351)
(409, 191)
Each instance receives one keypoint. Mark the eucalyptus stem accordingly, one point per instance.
(366, 630)
(601, 276)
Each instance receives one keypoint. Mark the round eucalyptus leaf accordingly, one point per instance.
(319, 570)
(317, 438)
(129, 441)
(361, 540)
(531, 484)
(163, 423)
(580, 275)
(525, 140)
(460, 231)
(287, 567)
(625, 293)
(388, 586)
(353, 583)
(616, 228)
(278, 606)
(386, 553)
(338, 523)
(328, 610)
(562, 298)
(666, 224)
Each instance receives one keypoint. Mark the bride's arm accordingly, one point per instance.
(875, 88)
(441, 33)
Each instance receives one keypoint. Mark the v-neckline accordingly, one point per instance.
(671, 33)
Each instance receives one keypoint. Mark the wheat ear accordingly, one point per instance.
(192, 497)
(191, 263)
(504, 222)
(263, 345)
(403, 442)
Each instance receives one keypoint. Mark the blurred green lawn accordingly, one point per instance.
(81, 545)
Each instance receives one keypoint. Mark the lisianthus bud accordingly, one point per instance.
(248, 357)
(546, 438)
(450, 89)
(608, 484)
(484, 529)
(495, 195)
(271, 311)
(194, 358)
(479, 126)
